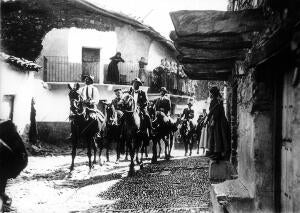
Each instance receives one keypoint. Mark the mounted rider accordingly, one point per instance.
(163, 103)
(141, 102)
(188, 115)
(116, 104)
(90, 96)
(117, 99)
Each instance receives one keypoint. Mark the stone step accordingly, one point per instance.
(230, 196)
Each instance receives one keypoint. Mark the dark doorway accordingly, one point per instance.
(8, 101)
(90, 63)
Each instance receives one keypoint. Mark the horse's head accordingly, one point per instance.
(110, 112)
(74, 97)
(73, 92)
(127, 102)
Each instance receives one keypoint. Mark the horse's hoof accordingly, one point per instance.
(71, 168)
(94, 162)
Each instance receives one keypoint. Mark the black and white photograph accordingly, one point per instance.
(155, 106)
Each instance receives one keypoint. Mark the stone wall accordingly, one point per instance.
(255, 144)
(296, 149)
(54, 132)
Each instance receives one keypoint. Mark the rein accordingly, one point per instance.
(5, 145)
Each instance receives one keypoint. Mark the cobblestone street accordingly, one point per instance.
(178, 185)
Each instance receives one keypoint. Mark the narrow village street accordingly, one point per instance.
(178, 185)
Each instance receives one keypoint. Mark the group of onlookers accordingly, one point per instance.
(166, 68)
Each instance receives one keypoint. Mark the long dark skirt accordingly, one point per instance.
(113, 74)
(219, 137)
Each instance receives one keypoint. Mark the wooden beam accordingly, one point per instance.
(210, 67)
(211, 22)
(208, 76)
(210, 53)
(195, 60)
(212, 42)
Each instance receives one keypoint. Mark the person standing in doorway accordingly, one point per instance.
(113, 74)
(218, 128)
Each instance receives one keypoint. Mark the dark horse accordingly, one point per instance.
(110, 132)
(131, 131)
(188, 134)
(165, 128)
(82, 126)
(13, 156)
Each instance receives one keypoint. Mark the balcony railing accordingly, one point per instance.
(59, 69)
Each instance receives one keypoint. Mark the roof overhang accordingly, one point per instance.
(210, 42)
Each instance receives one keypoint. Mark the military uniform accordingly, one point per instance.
(188, 114)
(115, 103)
(163, 104)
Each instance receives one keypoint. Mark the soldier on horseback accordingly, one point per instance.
(188, 114)
(141, 102)
(163, 103)
(117, 99)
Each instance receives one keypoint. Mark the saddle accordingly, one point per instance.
(94, 114)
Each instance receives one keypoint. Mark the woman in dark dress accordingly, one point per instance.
(113, 70)
(142, 71)
(218, 128)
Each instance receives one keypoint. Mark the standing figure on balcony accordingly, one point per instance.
(142, 71)
(113, 74)
(158, 73)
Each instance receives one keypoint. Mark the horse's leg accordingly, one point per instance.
(108, 149)
(191, 144)
(171, 143)
(166, 147)
(127, 152)
(154, 150)
(95, 151)
(131, 152)
(118, 150)
(137, 150)
(74, 139)
(159, 146)
(89, 151)
(100, 152)
(198, 144)
(185, 142)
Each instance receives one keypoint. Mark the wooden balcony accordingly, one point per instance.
(59, 69)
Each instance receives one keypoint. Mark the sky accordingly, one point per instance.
(156, 12)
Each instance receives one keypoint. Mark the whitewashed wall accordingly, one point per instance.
(20, 84)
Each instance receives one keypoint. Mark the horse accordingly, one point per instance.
(188, 134)
(13, 157)
(110, 132)
(130, 131)
(165, 128)
(83, 126)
